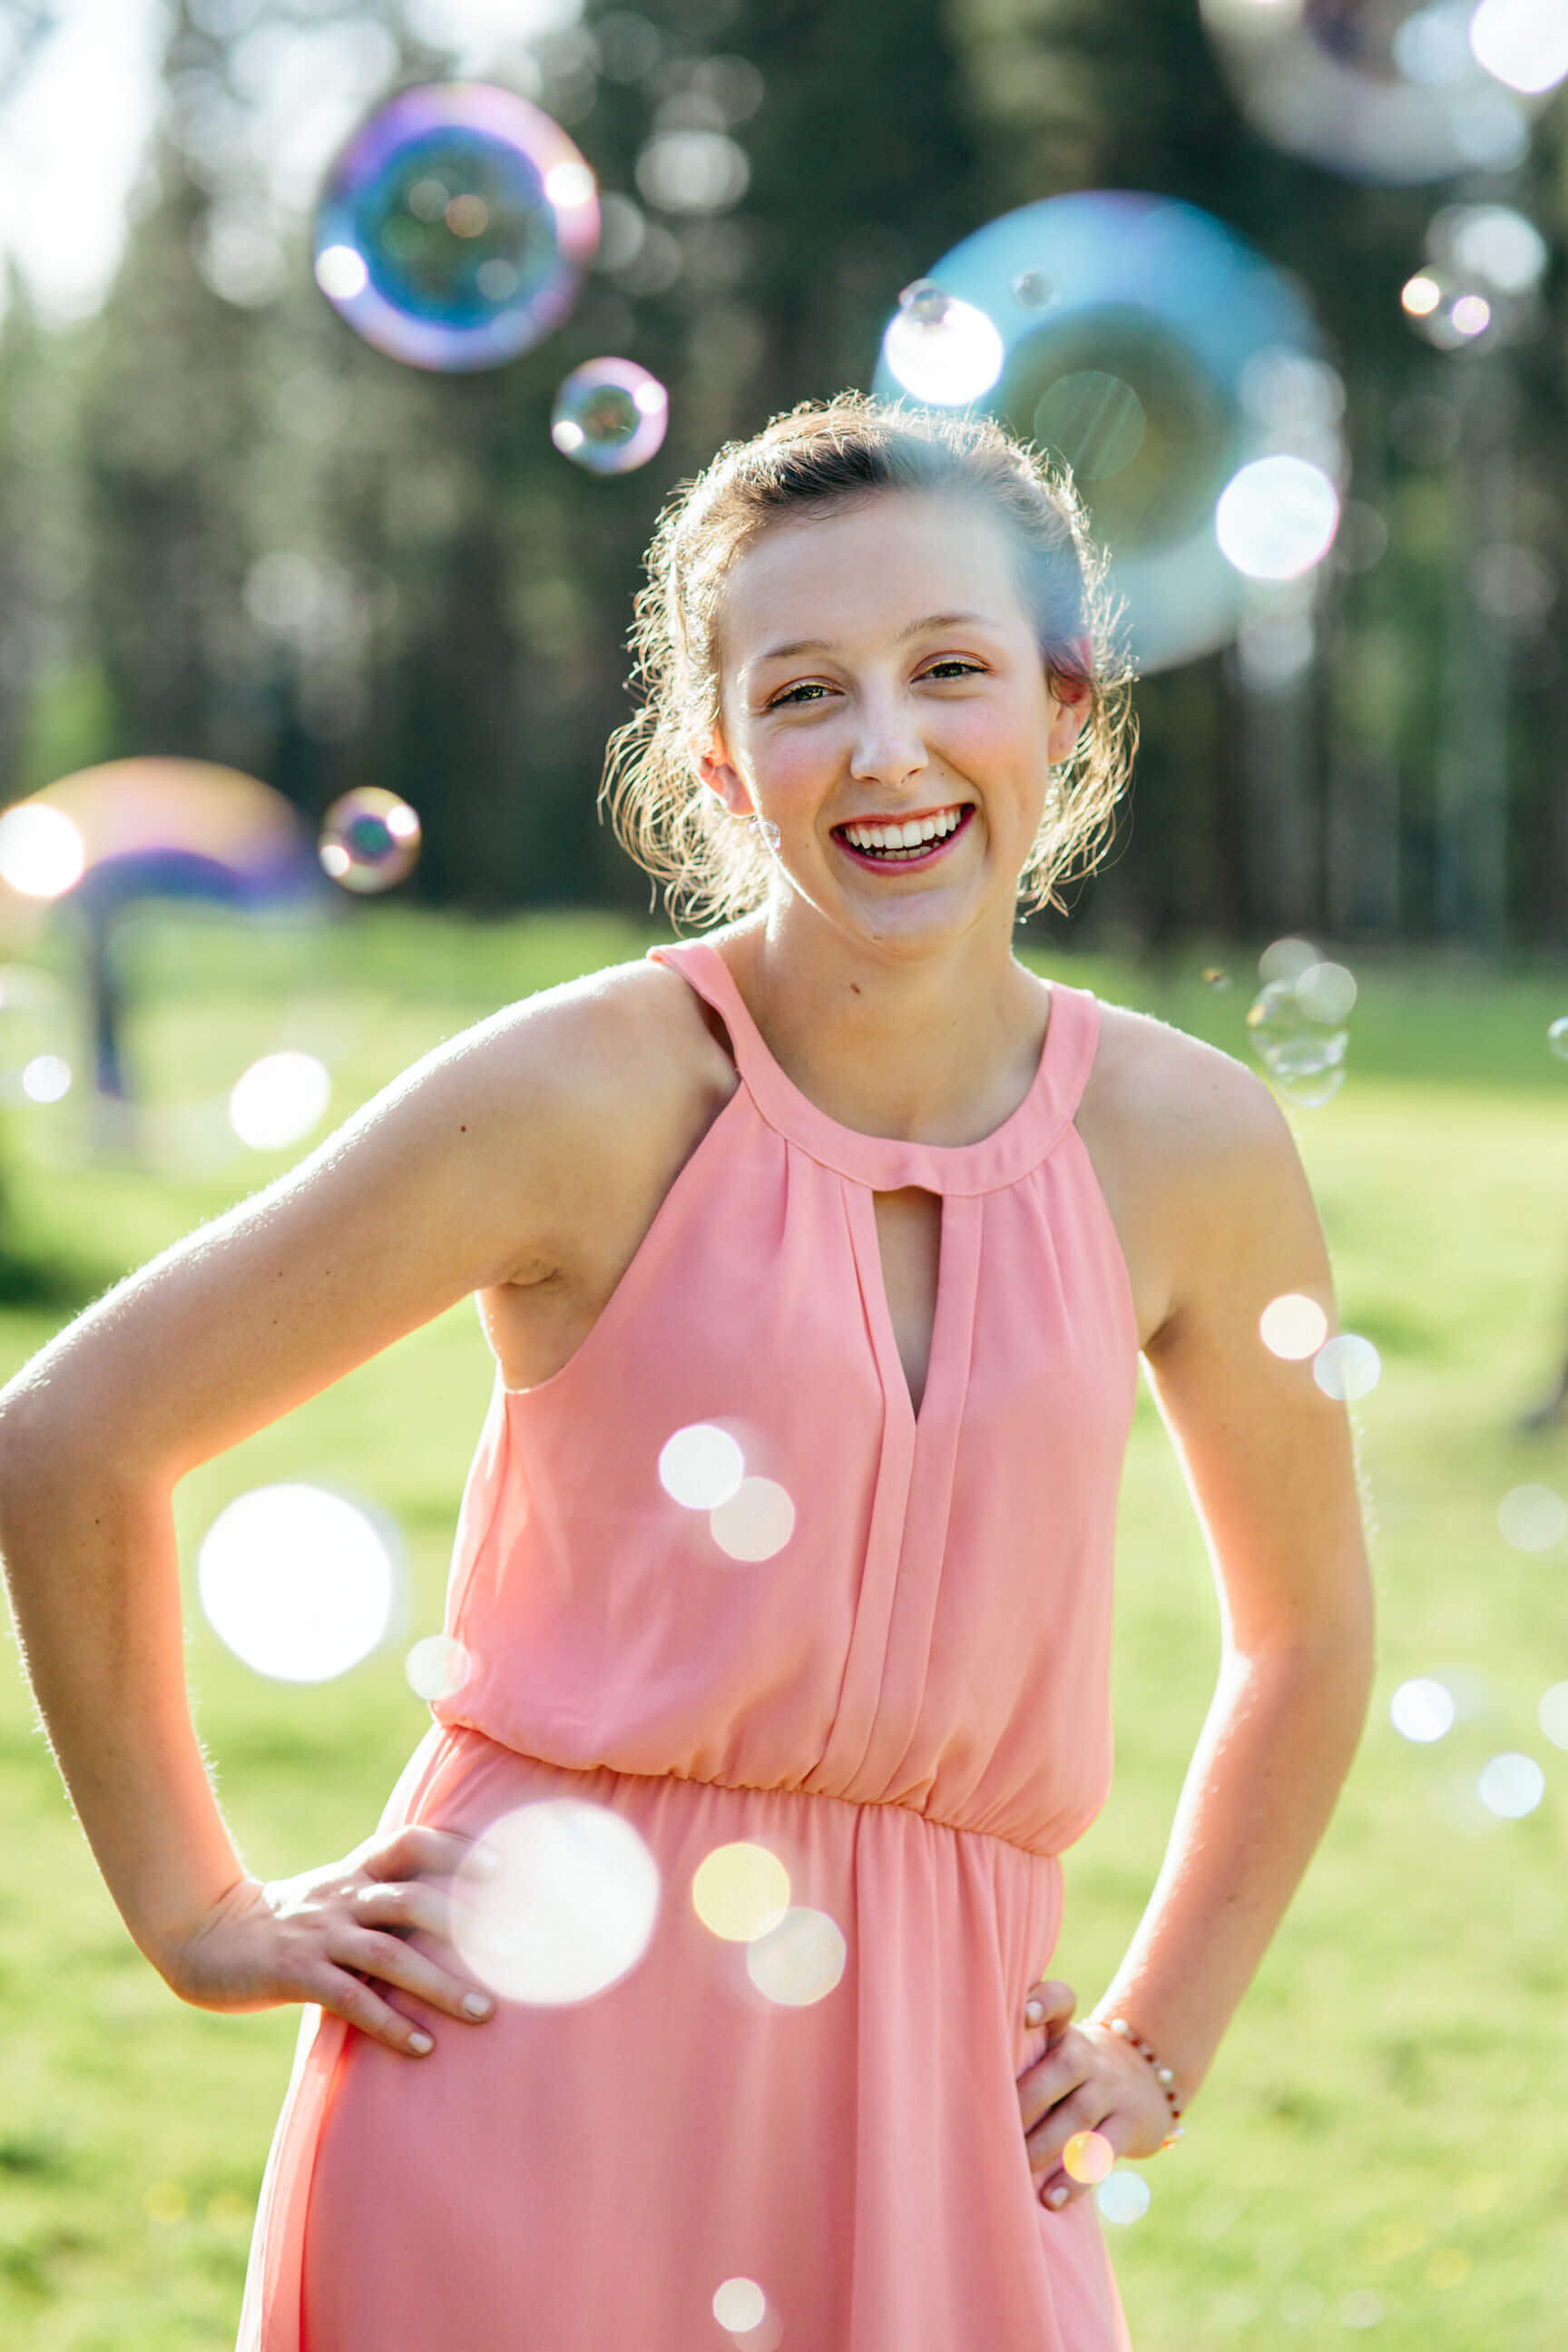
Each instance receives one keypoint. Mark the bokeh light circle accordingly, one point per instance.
(1522, 43)
(1553, 1713)
(1123, 2197)
(740, 2306)
(297, 1582)
(1557, 1038)
(1422, 1710)
(610, 416)
(455, 225)
(42, 854)
(740, 1891)
(755, 1522)
(437, 1667)
(701, 1466)
(1088, 2156)
(1347, 1367)
(370, 840)
(279, 1100)
(1511, 1785)
(1148, 347)
(46, 1078)
(1277, 517)
(1293, 1326)
(800, 1959)
(566, 1908)
(1532, 1517)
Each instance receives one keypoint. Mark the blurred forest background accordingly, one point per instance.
(230, 529)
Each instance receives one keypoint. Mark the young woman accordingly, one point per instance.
(846, 1184)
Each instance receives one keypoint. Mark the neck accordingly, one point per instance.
(931, 1046)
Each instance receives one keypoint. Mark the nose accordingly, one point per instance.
(888, 748)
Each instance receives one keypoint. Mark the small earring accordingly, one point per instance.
(764, 827)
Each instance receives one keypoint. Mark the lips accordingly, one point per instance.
(909, 841)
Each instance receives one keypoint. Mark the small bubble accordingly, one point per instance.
(1553, 1715)
(436, 1666)
(1347, 1368)
(925, 302)
(939, 350)
(1033, 290)
(370, 840)
(1123, 2196)
(756, 1522)
(700, 1467)
(1293, 1326)
(1511, 1785)
(1422, 1710)
(1326, 992)
(609, 417)
(1087, 2155)
(1286, 959)
(1532, 1518)
(1557, 1038)
(798, 1961)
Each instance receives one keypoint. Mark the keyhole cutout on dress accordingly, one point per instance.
(909, 1239)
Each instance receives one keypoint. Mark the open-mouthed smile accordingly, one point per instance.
(909, 841)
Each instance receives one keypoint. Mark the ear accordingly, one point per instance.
(713, 767)
(1071, 700)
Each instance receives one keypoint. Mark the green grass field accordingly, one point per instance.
(1379, 2153)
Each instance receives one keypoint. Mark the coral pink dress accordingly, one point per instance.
(803, 2134)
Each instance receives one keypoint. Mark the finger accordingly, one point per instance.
(1050, 2003)
(406, 1853)
(405, 1904)
(1079, 2110)
(395, 1962)
(1058, 2189)
(348, 1997)
(1057, 2076)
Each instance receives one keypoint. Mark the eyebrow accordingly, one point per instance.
(912, 629)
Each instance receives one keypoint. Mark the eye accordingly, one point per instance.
(954, 666)
(810, 687)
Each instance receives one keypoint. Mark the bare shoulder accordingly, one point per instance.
(1180, 1095)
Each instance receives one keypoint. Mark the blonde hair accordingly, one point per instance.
(820, 456)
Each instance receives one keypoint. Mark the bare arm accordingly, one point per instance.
(467, 1174)
(1269, 1461)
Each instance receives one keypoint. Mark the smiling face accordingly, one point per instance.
(885, 705)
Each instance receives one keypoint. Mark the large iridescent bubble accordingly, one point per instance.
(1157, 353)
(455, 225)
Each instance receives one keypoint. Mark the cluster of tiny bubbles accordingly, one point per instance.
(745, 2315)
(1553, 1714)
(740, 1891)
(1532, 1518)
(1511, 1785)
(34, 1028)
(556, 1903)
(1123, 2196)
(1422, 1710)
(609, 417)
(436, 1666)
(297, 1582)
(939, 350)
(1347, 1368)
(1297, 1021)
(703, 1468)
(1556, 1036)
(1398, 94)
(455, 225)
(279, 1099)
(369, 841)
(799, 1959)
(1117, 331)
(1088, 2156)
(1293, 1326)
(42, 854)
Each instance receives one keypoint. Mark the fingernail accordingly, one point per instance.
(1034, 2013)
(1057, 2196)
(420, 2041)
(475, 2005)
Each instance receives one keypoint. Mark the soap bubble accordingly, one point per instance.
(169, 828)
(1293, 1326)
(1532, 1518)
(296, 1581)
(1287, 959)
(1148, 346)
(942, 351)
(1347, 1368)
(279, 1100)
(568, 1911)
(701, 1466)
(1123, 2196)
(755, 1522)
(437, 1667)
(1422, 1710)
(455, 225)
(1511, 1785)
(1389, 94)
(1557, 1038)
(41, 851)
(370, 840)
(740, 1891)
(1303, 1055)
(798, 1960)
(609, 417)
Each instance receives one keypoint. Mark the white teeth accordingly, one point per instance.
(895, 841)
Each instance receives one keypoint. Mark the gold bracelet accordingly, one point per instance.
(1162, 2075)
